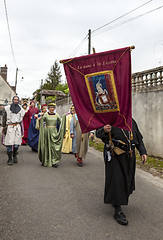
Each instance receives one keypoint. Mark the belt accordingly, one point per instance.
(124, 147)
(13, 124)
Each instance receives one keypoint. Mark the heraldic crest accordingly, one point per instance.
(102, 91)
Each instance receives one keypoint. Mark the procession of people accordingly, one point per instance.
(45, 132)
(49, 134)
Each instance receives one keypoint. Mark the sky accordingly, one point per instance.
(44, 31)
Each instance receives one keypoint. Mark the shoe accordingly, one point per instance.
(15, 153)
(120, 218)
(10, 161)
(80, 164)
(55, 165)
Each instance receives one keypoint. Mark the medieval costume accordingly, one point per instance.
(52, 130)
(12, 118)
(79, 141)
(120, 162)
(33, 132)
(67, 141)
(32, 110)
(26, 122)
(33, 135)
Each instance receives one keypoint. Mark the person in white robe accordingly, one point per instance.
(12, 117)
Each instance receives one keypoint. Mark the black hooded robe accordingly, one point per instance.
(120, 170)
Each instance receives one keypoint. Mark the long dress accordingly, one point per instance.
(80, 141)
(32, 110)
(120, 170)
(51, 138)
(33, 134)
(26, 122)
(67, 141)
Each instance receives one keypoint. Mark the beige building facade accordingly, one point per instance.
(7, 92)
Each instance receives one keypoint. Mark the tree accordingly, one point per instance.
(54, 77)
(62, 87)
(50, 99)
(53, 81)
(38, 96)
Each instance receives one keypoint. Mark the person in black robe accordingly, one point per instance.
(120, 163)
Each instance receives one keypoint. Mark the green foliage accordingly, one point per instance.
(62, 87)
(53, 78)
(50, 99)
(52, 81)
(97, 145)
(38, 96)
(66, 91)
(152, 162)
(47, 86)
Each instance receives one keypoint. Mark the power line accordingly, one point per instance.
(79, 46)
(129, 20)
(121, 16)
(9, 33)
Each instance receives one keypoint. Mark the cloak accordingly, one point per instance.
(120, 169)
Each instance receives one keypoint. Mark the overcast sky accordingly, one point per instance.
(45, 31)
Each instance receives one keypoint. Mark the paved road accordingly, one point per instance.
(66, 203)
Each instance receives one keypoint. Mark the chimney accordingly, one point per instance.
(3, 72)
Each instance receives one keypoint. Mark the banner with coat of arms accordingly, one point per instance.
(100, 88)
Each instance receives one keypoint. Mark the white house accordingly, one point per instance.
(6, 91)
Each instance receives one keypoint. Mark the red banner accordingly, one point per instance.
(100, 88)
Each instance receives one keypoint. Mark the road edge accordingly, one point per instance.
(139, 172)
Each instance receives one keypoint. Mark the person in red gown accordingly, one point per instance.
(32, 110)
(26, 122)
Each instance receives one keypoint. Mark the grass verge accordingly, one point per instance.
(153, 165)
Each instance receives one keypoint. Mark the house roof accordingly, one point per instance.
(46, 92)
(12, 87)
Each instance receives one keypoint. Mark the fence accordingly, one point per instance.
(147, 81)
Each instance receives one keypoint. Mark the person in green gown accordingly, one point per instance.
(52, 130)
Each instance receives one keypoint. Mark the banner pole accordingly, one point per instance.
(89, 41)
(132, 47)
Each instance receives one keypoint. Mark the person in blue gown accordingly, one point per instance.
(33, 133)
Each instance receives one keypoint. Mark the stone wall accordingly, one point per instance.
(147, 100)
(63, 106)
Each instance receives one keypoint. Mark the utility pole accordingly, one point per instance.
(16, 78)
(41, 92)
(89, 41)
